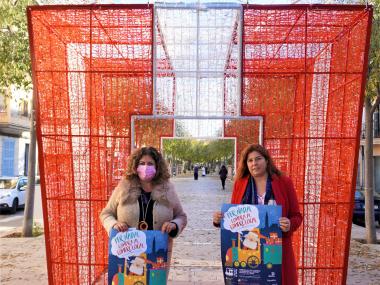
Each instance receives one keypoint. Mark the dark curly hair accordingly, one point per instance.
(162, 172)
(242, 169)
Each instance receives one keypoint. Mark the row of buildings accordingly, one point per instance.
(14, 133)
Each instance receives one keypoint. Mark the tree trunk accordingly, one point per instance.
(27, 230)
(369, 177)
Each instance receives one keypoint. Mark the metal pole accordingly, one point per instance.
(240, 57)
(27, 230)
(155, 25)
(133, 143)
(197, 69)
(180, 117)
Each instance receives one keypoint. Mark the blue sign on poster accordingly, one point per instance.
(137, 257)
(251, 244)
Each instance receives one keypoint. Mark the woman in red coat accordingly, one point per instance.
(258, 181)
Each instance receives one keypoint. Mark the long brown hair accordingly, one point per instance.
(162, 172)
(242, 169)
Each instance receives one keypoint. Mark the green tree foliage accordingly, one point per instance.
(373, 76)
(177, 149)
(198, 151)
(15, 66)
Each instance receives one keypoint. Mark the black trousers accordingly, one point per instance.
(223, 181)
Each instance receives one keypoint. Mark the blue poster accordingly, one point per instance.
(251, 244)
(137, 257)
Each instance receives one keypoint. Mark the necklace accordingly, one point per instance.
(143, 225)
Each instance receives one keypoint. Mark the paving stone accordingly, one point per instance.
(196, 253)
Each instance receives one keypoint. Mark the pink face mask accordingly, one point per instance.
(146, 172)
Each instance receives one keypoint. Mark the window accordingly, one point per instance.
(23, 108)
(8, 154)
(22, 183)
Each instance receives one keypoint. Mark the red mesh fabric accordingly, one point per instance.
(92, 71)
(246, 132)
(303, 70)
(150, 131)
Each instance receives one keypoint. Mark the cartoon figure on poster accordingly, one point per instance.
(137, 258)
(251, 244)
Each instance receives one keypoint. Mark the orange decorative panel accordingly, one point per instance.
(302, 69)
(304, 72)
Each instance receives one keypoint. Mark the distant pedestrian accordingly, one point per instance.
(223, 172)
(203, 171)
(196, 172)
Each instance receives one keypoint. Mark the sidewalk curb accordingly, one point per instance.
(10, 232)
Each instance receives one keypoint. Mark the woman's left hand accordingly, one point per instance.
(284, 224)
(167, 227)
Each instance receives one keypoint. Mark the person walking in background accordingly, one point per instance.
(196, 172)
(223, 172)
(203, 171)
(145, 198)
(259, 182)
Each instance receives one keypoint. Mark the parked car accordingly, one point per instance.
(12, 193)
(359, 207)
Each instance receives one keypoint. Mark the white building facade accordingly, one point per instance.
(14, 133)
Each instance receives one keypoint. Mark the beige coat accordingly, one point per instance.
(123, 206)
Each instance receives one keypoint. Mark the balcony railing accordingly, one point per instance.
(376, 134)
(14, 121)
(376, 125)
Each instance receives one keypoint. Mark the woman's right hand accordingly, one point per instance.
(120, 227)
(218, 215)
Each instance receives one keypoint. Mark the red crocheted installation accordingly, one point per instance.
(303, 71)
(92, 68)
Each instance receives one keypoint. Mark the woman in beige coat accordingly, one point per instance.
(145, 199)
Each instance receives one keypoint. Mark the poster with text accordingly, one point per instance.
(251, 244)
(137, 257)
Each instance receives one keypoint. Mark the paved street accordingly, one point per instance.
(10, 222)
(196, 254)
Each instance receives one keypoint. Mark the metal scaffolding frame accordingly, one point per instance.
(259, 119)
(193, 48)
(300, 67)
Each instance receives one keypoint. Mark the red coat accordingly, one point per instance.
(285, 196)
